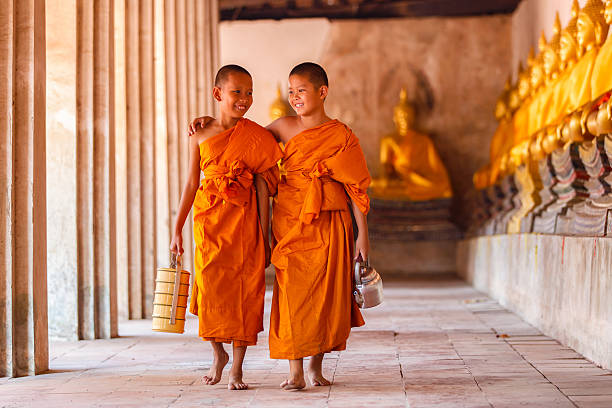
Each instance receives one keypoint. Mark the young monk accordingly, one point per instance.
(312, 306)
(231, 251)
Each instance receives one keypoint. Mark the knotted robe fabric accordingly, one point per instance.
(229, 287)
(312, 307)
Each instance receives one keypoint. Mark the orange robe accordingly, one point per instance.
(313, 308)
(229, 287)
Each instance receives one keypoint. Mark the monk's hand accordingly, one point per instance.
(201, 122)
(362, 247)
(176, 246)
(268, 253)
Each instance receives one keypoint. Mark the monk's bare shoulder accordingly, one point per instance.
(284, 128)
(202, 134)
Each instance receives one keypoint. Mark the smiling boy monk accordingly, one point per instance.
(231, 252)
(312, 306)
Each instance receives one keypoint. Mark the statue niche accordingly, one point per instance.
(411, 167)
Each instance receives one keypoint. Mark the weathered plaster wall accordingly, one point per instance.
(561, 285)
(453, 68)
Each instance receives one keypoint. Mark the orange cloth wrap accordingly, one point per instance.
(313, 308)
(228, 290)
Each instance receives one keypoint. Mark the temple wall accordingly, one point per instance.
(440, 60)
(561, 285)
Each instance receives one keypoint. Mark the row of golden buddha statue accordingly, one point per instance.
(550, 156)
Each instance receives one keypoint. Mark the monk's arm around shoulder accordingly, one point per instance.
(189, 192)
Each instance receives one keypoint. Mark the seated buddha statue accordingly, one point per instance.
(590, 32)
(411, 167)
(502, 139)
(600, 121)
(601, 79)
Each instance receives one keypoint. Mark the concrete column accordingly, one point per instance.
(23, 235)
(105, 277)
(136, 270)
(6, 178)
(147, 152)
(85, 164)
(174, 186)
(185, 115)
(61, 96)
(121, 179)
(162, 200)
(95, 177)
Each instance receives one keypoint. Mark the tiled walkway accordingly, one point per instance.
(434, 343)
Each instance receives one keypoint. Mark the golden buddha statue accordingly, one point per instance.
(411, 166)
(600, 121)
(551, 61)
(568, 55)
(551, 65)
(601, 79)
(280, 107)
(521, 116)
(503, 137)
(591, 30)
(536, 82)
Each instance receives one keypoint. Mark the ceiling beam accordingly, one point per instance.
(343, 9)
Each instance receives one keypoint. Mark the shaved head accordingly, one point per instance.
(314, 72)
(225, 71)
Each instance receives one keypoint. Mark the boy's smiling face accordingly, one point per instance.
(235, 95)
(304, 98)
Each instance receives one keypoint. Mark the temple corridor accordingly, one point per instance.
(433, 343)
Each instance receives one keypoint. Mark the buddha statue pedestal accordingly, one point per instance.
(408, 237)
(533, 222)
(588, 217)
(507, 195)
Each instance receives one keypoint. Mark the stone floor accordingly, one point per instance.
(433, 343)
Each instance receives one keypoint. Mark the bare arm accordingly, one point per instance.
(202, 121)
(362, 245)
(188, 195)
(274, 128)
(263, 207)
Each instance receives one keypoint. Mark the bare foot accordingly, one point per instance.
(315, 371)
(215, 372)
(317, 379)
(236, 383)
(293, 384)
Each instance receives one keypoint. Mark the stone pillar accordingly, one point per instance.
(185, 115)
(6, 151)
(136, 270)
(105, 292)
(162, 197)
(161, 85)
(23, 227)
(147, 151)
(121, 180)
(174, 187)
(96, 224)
